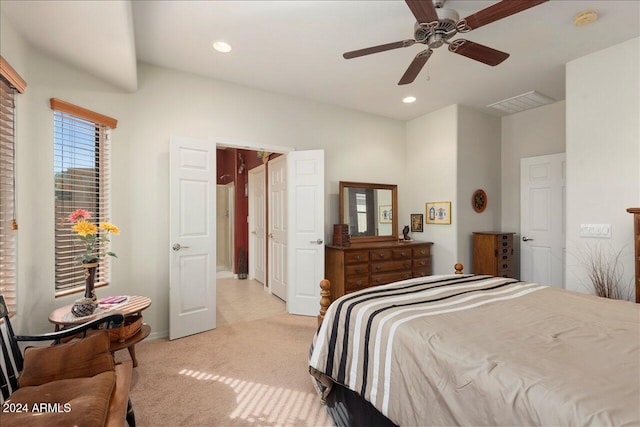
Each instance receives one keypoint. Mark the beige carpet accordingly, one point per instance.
(241, 374)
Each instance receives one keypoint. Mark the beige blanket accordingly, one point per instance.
(479, 350)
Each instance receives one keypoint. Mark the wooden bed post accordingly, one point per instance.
(325, 299)
(458, 268)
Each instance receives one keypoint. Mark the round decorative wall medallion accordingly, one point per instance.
(479, 200)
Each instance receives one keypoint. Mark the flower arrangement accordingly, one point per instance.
(88, 233)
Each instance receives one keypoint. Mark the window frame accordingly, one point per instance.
(12, 85)
(91, 184)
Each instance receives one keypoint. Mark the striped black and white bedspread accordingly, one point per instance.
(445, 349)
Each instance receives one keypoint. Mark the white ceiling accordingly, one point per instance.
(295, 47)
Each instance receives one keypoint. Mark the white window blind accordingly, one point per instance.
(8, 226)
(10, 84)
(81, 170)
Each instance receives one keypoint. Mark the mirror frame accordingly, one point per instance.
(394, 209)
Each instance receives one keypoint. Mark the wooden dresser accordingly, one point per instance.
(361, 265)
(636, 243)
(493, 253)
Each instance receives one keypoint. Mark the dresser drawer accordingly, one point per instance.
(356, 270)
(421, 252)
(401, 253)
(381, 254)
(422, 263)
(381, 279)
(356, 256)
(355, 283)
(382, 266)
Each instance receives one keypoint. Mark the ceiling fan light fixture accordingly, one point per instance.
(222, 47)
(522, 102)
(585, 17)
(409, 99)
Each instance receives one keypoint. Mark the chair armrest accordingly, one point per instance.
(56, 336)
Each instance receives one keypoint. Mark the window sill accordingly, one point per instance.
(77, 290)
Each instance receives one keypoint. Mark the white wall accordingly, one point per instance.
(357, 146)
(431, 176)
(535, 132)
(603, 144)
(478, 167)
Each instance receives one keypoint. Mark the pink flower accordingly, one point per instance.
(79, 215)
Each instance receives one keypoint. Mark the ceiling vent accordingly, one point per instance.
(522, 102)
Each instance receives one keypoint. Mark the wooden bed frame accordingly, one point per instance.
(325, 293)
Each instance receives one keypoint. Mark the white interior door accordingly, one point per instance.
(192, 223)
(542, 219)
(278, 227)
(257, 224)
(305, 170)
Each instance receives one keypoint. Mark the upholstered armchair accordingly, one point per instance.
(73, 383)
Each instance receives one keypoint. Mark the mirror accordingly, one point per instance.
(369, 210)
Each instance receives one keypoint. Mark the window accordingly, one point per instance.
(81, 174)
(10, 84)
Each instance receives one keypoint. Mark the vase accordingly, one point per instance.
(87, 305)
(90, 280)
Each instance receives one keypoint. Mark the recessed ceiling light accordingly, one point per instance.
(409, 99)
(222, 46)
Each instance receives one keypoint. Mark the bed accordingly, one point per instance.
(478, 350)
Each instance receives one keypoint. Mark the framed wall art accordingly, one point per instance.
(416, 223)
(438, 212)
(385, 214)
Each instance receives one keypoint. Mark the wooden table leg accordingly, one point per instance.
(132, 353)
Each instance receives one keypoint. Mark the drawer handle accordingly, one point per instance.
(381, 255)
(406, 265)
(378, 280)
(506, 243)
(505, 265)
(358, 270)
(359, 283)
(504, 251)
(358, 257)
(505, 257)
(423, 263)
(378, 267)
(505, 237)
(403, 254)
(422, 252)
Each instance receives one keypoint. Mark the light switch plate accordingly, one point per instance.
(595, 230)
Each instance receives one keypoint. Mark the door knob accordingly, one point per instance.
(271, 235)
(319, 242)
(526, 239)
(177, 247)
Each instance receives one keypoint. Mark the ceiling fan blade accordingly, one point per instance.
(415, 67)
(478, 52)
(423, 10)
(498, 11)
(376, 49)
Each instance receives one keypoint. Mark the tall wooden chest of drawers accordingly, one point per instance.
(361, 265)
(493, 253)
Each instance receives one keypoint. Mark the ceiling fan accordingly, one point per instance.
(436, 25)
